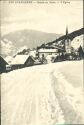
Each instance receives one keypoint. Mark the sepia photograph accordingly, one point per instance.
(41, 62)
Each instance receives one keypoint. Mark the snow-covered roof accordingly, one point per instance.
(20, 59)
(47, 50)
(8, 59)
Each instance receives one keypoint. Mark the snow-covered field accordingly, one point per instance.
(43, 95)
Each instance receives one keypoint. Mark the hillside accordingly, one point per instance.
(48, 94)
(14, 41)
(71, 36)
(28, 38)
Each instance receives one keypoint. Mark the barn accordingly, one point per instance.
(3, 64)
(21, 61)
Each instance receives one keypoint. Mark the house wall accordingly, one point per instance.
(2, 68)
(46, 54)
(29, 62)
(18, 66)
(2, 65)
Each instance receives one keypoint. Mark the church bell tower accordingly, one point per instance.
(67, 42)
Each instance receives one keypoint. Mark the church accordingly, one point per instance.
(67, 42)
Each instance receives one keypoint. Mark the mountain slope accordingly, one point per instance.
(70, 35)
(28, 38)
(31, 38)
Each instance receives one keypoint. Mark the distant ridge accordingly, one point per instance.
(14, 41)
(30, 38)
(70, 35)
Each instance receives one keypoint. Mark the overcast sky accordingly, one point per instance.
(51, 18)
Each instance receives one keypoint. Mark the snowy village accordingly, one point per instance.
(41, 62)
(44, 85)
(58, 50)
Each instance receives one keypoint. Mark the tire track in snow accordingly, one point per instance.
(48, 106)
(59, 84)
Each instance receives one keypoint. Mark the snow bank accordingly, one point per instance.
(42, 95)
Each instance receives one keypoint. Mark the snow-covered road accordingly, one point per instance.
(43, 95)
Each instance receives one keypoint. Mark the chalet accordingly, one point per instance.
(3, 64)
(21, 61)
(46, 52)
(49, 50)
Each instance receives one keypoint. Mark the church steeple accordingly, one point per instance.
(67, 42)
(66, 30)
(67, 37)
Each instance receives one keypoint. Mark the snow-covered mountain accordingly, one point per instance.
(7, 47)
(28, 38)
(16, 41)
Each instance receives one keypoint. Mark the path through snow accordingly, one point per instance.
(40, 95)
